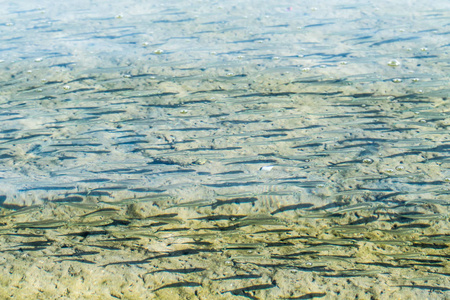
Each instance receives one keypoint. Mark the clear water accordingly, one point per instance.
(224, 150)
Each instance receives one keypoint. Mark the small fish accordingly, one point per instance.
(426, 287)
(244, 246)
(178, 285)
(24, 210)
(7, 232)
(26, 138)
(340, 242)
(394, 40)
(411, 255)
(125, 239)
(325, 247)
(364, 221)
(306, 296)
(251, 40)
(97, 223)
(77, 90)
(195, 129)
(220, 218)
(349, 229)
(251, 288)
(181, 271)
(265, 95)
(196, 236)
(303, 184)
(233, 201)
(249, 257)
(293, 256)
(81, 260)
(166, 218)
(401, 231)
(426, 201)
(232, 184)
(384, 265)
(354, 273)
(416, 225)
(272, 231)
(37, 243)
(103, 212)
(258, 220)
(148, 198)
(115, 90)
(133, 233)
(41, 224)
(279, 244)
(239, 277)
(360, 206)
(79, 253)
(111, 188)
(72, 199)
(291, 207)
(423, 278)
(425, 216)
(392, 242)
(320, 216)
(196, 203)
(99, 193)
(49, 188)
(440, 239)
(179, 229)
(199, 243)
(81, 205)
(111, 248)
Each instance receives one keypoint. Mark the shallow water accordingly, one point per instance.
(225, 150)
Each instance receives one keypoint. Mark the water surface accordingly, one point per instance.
(224, 150)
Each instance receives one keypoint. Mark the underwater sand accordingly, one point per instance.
(209, 150)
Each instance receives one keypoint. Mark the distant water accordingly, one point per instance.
(260, 140)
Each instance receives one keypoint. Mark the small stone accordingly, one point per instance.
(394, 63)
(201, 161)
(266, 168)
(368, 161)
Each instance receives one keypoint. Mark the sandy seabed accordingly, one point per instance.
(211, 150)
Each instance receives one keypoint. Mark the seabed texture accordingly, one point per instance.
(224, 150)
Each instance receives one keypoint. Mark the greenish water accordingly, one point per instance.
(224, 150)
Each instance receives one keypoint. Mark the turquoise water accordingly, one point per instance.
(216, 150)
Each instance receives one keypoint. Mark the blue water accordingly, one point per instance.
(258, 139)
